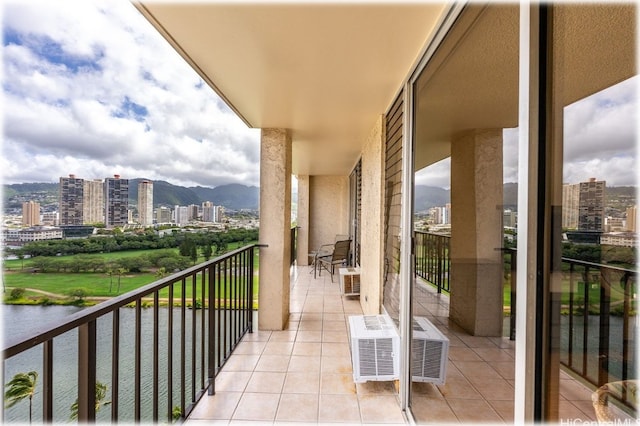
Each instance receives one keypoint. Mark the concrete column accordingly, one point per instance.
(476, 232)
(275, 228)
(302, 254)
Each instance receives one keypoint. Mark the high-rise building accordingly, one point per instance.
(570, 205)
(193, 212)
(632, 219)
(93, 209)
(163, 215)
(181, 215)
(71, 197)
(30, 213)
(145, 203)
(116, 201)
(591, 205)
(207, 211)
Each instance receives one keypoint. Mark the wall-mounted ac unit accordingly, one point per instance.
(350, 281)
(375, 348)
(429, 352)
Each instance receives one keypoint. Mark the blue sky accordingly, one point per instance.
(91, 89)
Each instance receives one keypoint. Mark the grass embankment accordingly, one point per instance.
(88, 288)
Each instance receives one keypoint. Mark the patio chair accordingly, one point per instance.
(339, 256)
(621, 390)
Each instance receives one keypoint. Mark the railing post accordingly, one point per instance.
(47, 381)
(87, 372)
(211, 370)
(603, 347)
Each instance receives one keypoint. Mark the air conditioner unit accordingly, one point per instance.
(429, 352)
(350, 281)
(375, 348)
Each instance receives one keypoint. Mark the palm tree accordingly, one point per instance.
(101, 394)
(23, 385)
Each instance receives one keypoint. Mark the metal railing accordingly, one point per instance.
(597, 304)
(294, 244)
(183, 328)
(432, 259)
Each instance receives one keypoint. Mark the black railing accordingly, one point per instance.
(432, 259)
(158, 348)
(598, 339)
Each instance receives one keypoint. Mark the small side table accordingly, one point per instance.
(350, 281)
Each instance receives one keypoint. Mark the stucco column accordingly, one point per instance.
(275, 228)
(476, 232)
(302, 253)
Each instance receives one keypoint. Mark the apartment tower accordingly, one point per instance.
(591, 205)
(570, 205)
(93, 202)
(116, 201)
(30, 213)
(145, 203)
(71, 200)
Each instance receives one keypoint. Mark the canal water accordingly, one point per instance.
(18, 320)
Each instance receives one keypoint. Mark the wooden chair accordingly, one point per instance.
(339, 256)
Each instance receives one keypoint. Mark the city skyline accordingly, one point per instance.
(109, 95)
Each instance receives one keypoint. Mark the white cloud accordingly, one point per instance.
(91, 88)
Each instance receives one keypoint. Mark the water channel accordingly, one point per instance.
(19, 319)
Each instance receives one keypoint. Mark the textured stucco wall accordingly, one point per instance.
(275, 228)
(476, 236)
(371, 256)
(329, 209)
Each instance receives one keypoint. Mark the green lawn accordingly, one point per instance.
(98, 284)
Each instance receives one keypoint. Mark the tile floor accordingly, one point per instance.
(303, 374)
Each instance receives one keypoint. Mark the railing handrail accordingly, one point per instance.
(41, 335)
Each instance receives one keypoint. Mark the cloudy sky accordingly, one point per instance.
(92, 89)
(600, 140)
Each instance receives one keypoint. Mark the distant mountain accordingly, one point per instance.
(234, 196)
(164, 194)
(426, 197)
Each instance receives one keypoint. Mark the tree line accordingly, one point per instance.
(144, 240)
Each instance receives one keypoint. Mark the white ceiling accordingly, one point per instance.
(324, 70)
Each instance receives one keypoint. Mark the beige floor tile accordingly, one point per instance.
(339, 408)
(494, 389)
(334, 326)
(307, 349)
(249, 348)
(494, 354)
(376, 388)
(216, 407)
(302, 382)
(476, 369)
(462, 353)
(458, 388)
(477, 341)
(506, 369)
(336, 349)
(472, 410)
(257, 335)
(283, 336)
(278, 348)
(333, 316)
(276, 363)
(426, 390)
(309, 336)
(336, 364)
(312, 316)
(304, 363)
(504, 409)
(335, 336)
(432, 411)
(380, 409)
(241, 363)
(337, 384)
(298, 408)
(257, 406)
(232, 381)
(311, 325)
(265, 382)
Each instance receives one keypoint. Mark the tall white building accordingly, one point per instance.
(181, 215)
(93, 202)
(116, 199)
(145, 203)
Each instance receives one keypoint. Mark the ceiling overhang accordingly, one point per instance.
(326, 71)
